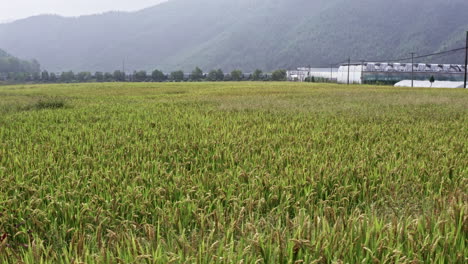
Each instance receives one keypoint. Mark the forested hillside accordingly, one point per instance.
(245, 34)
(10, 64)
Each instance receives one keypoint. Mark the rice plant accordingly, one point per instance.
(232, 173)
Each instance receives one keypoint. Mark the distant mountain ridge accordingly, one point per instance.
(244, 34)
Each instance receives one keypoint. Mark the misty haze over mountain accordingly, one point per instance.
(244, 34)
(20, 9)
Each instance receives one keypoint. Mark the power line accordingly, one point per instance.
(438, 54)
(420, 57)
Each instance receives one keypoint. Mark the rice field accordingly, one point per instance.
(232, 173)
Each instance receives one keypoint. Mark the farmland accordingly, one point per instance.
(232, 173)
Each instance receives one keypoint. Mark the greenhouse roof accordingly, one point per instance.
(418, 67)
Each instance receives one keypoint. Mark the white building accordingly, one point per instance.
(300, 75)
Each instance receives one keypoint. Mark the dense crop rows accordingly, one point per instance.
(232, 173)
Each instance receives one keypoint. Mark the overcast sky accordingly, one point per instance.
(16, 9)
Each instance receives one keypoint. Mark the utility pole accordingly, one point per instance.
(310, 77)
(362, 72)
(466, 59)
(412, 69)
(349, 66)
(123, 69)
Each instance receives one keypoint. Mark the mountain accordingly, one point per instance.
(3, 54)
(10, 64)
(245, 34)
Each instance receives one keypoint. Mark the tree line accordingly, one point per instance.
(196, 75)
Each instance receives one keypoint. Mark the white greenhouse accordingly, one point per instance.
(391, 73)
(428, 84)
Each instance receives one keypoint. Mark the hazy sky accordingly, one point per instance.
(16, 9)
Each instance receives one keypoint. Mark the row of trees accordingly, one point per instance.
(142, 76)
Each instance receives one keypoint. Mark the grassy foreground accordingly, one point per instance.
(232, 173)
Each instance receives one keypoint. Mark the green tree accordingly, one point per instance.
(236, 75)
(108, 77)
(67, 77)
(432, 80)
(212, 76)
(220, 75)
(279, 75)
(20, 76)
(99, 76)
(83, 77)
(227, 78)
(140, 76)
(257, 75)
(45, 76)
(36, 76)
(197, 75)
(53, 77)
(119, 76)
(158, 76)
(10, 64)
(177, 76)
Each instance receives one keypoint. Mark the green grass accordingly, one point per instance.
(233, 173)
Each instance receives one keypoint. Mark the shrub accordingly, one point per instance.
(50, 103)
